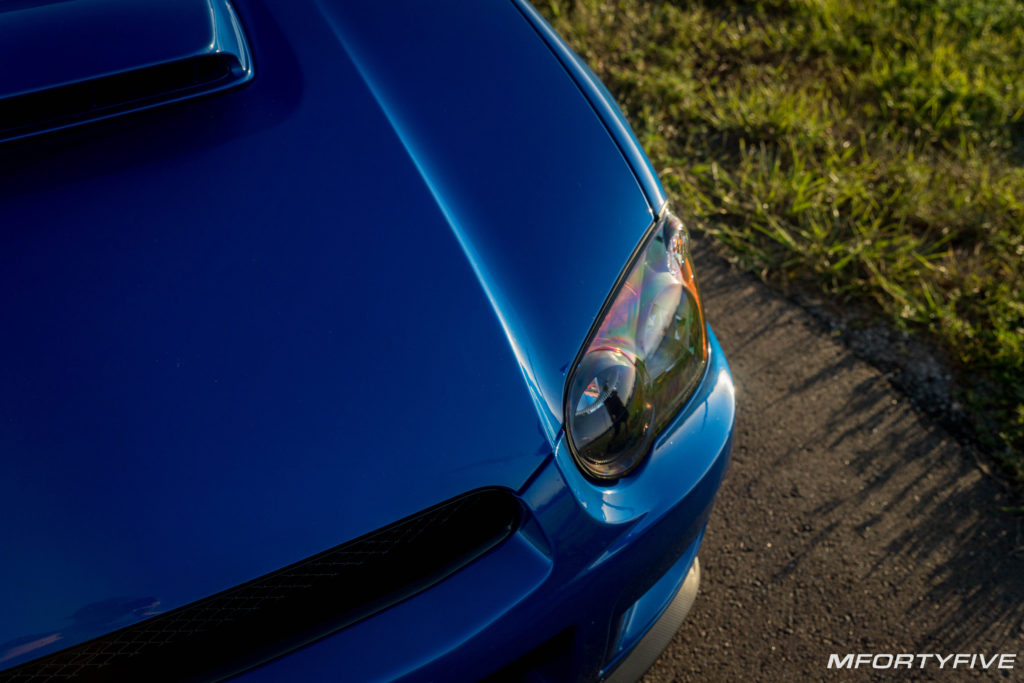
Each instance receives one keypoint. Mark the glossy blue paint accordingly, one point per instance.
(58, 43)
(502, 142)
(639, 617)
(525, 593)
(64, 44)
(604, 105)
(244, 329)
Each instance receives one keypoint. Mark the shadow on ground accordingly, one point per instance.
(848, 522)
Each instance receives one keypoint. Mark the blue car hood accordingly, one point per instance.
(241, 330)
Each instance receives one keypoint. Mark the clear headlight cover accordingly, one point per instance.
(643, 361)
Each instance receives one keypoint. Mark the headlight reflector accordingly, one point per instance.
(643, 361)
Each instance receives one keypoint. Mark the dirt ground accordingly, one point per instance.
(848, 521)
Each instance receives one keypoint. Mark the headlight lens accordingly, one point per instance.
(642, 362)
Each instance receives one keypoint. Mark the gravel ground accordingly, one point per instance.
(848, 522)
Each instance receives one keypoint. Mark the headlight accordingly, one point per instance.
(643, 360)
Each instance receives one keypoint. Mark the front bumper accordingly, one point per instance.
(660, 634)
(573, 592)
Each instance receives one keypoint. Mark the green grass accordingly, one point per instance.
(873, 151)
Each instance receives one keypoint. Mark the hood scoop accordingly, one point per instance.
(68, 62)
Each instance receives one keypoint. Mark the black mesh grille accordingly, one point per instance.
(269, 616)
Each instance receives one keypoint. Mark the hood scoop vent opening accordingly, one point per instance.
(68, 63)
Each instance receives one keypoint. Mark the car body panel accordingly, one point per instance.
(510, 611)
(251, 327)
(255, 326)
(604, 105)
(96, 59)
(445, 66)
(104, 37)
